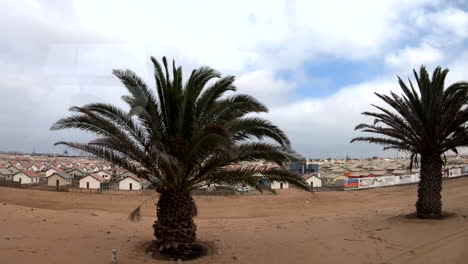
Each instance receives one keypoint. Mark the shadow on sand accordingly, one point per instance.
(201, 249)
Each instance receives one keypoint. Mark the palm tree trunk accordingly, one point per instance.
(429, 203)
(174, 229)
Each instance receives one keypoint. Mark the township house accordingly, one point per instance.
(130, 183)
(13, 169)
(77, 172)
(312, 180)
(26, 177)
(52, 171)
(6, 174)
(334, 180)
(59, 179)
(30, 166)
(279, 185)
(106, 175)
(91, 181)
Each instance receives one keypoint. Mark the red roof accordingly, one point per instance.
(133, 177)
(31, 174)
(96, 176)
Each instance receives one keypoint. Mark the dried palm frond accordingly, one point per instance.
(135, 215)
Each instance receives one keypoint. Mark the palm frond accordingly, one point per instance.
(247, 128)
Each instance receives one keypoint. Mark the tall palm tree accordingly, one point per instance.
(426, 124)
(183, 136)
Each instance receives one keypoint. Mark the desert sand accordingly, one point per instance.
(291, 227)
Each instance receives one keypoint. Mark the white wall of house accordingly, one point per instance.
(104, 175)
(52, 180)
(125, 184)
(455, 172)
(93, 183)
(50, 172)
(314, 181)
(24, 179)
(33, 168)
(279, 185)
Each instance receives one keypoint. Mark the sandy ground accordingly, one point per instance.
(291, 227)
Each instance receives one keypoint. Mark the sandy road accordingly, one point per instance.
(291, 227)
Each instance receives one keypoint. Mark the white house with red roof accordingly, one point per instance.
(26, 177)
(30, 166)
(52, 171)
(130, 183)
(106, 175)
(91, 181)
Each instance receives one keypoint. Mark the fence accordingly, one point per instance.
(63, 188)
(105, 191)
(374, 182)
(330, 188)
(83, 190)
(13, 184)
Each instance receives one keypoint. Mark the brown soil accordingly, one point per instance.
(291, 227)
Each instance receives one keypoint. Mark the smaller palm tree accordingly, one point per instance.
(427, 123)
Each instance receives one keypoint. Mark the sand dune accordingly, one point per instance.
(292, 227)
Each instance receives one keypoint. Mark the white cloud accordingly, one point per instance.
(445, 22)
(325, 126)
(414, 57)
(263, 85)
(458, 69)
(55, 55)
(243, 33)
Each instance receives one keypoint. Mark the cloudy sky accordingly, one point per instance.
(315, 64)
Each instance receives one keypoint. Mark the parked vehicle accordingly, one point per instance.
(243, 189)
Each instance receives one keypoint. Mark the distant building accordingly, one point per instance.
(52, 171)
(26, 177)
(59, 179)
(312, 180)
(77, 172)
(334, 180)
(130, 183)
(297, 168)
(91, 181)
(106, 175)
(312, 167)
(6, 174)
(303, 167)
(279, 185)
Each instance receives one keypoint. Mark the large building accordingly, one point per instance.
(303, 167)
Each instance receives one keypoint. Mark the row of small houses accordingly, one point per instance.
(45, 166)
(57, 177)
(95, 180)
